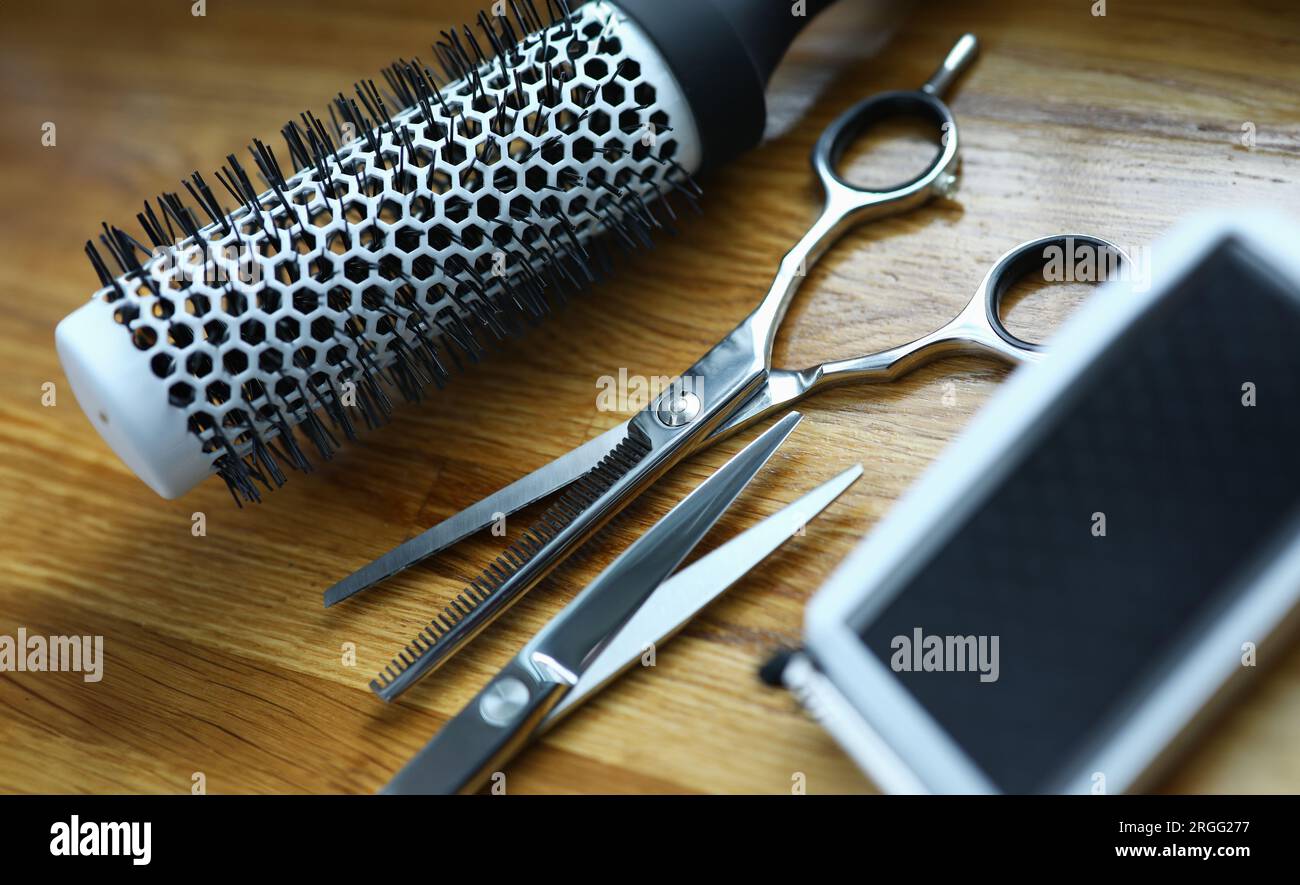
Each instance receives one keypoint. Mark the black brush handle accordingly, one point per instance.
(723, 53)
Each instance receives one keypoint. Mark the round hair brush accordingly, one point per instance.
(271, 311)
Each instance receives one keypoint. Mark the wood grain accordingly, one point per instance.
(219, 657)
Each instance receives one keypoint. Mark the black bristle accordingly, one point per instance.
(333, 406)
(309, 423)
(127, 246)
(480, 60)
(236, 472)
(177, 211)
(298, 154)
(210, 201)
(401, 371)
(509, 39)
(109, 242)
(365, 90)
(485, 25)
(194, 195)
(456, 64)
(529, 21)
(423, 315)
(149, 224)
(453, 326)
(261, 454)
(106, 279)
(267, 164)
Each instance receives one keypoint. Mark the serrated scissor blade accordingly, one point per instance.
(565, 523)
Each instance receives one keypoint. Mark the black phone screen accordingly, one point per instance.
(1164, 475)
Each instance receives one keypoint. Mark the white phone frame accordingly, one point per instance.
(904, 749)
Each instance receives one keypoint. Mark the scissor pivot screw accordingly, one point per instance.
(503, 700)
(678, 408)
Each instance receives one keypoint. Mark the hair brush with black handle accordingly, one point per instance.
(271, 311)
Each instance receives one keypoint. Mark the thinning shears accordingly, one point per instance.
(730, 388)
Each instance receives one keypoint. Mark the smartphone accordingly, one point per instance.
(1110, 548)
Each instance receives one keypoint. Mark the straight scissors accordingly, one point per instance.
(731, 387)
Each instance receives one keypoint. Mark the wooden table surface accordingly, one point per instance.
(219, 658)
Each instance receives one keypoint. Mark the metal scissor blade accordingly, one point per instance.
(657, 438)
(484, 735)
(782, 388)
(520, 493)
(577, 512)
(599, 611)
(686, 593)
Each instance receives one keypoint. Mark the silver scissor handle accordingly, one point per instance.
(980, 323)
(846, 205)
(979, 328)
(846, 202)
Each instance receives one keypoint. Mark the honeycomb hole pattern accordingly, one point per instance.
(394, 258)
